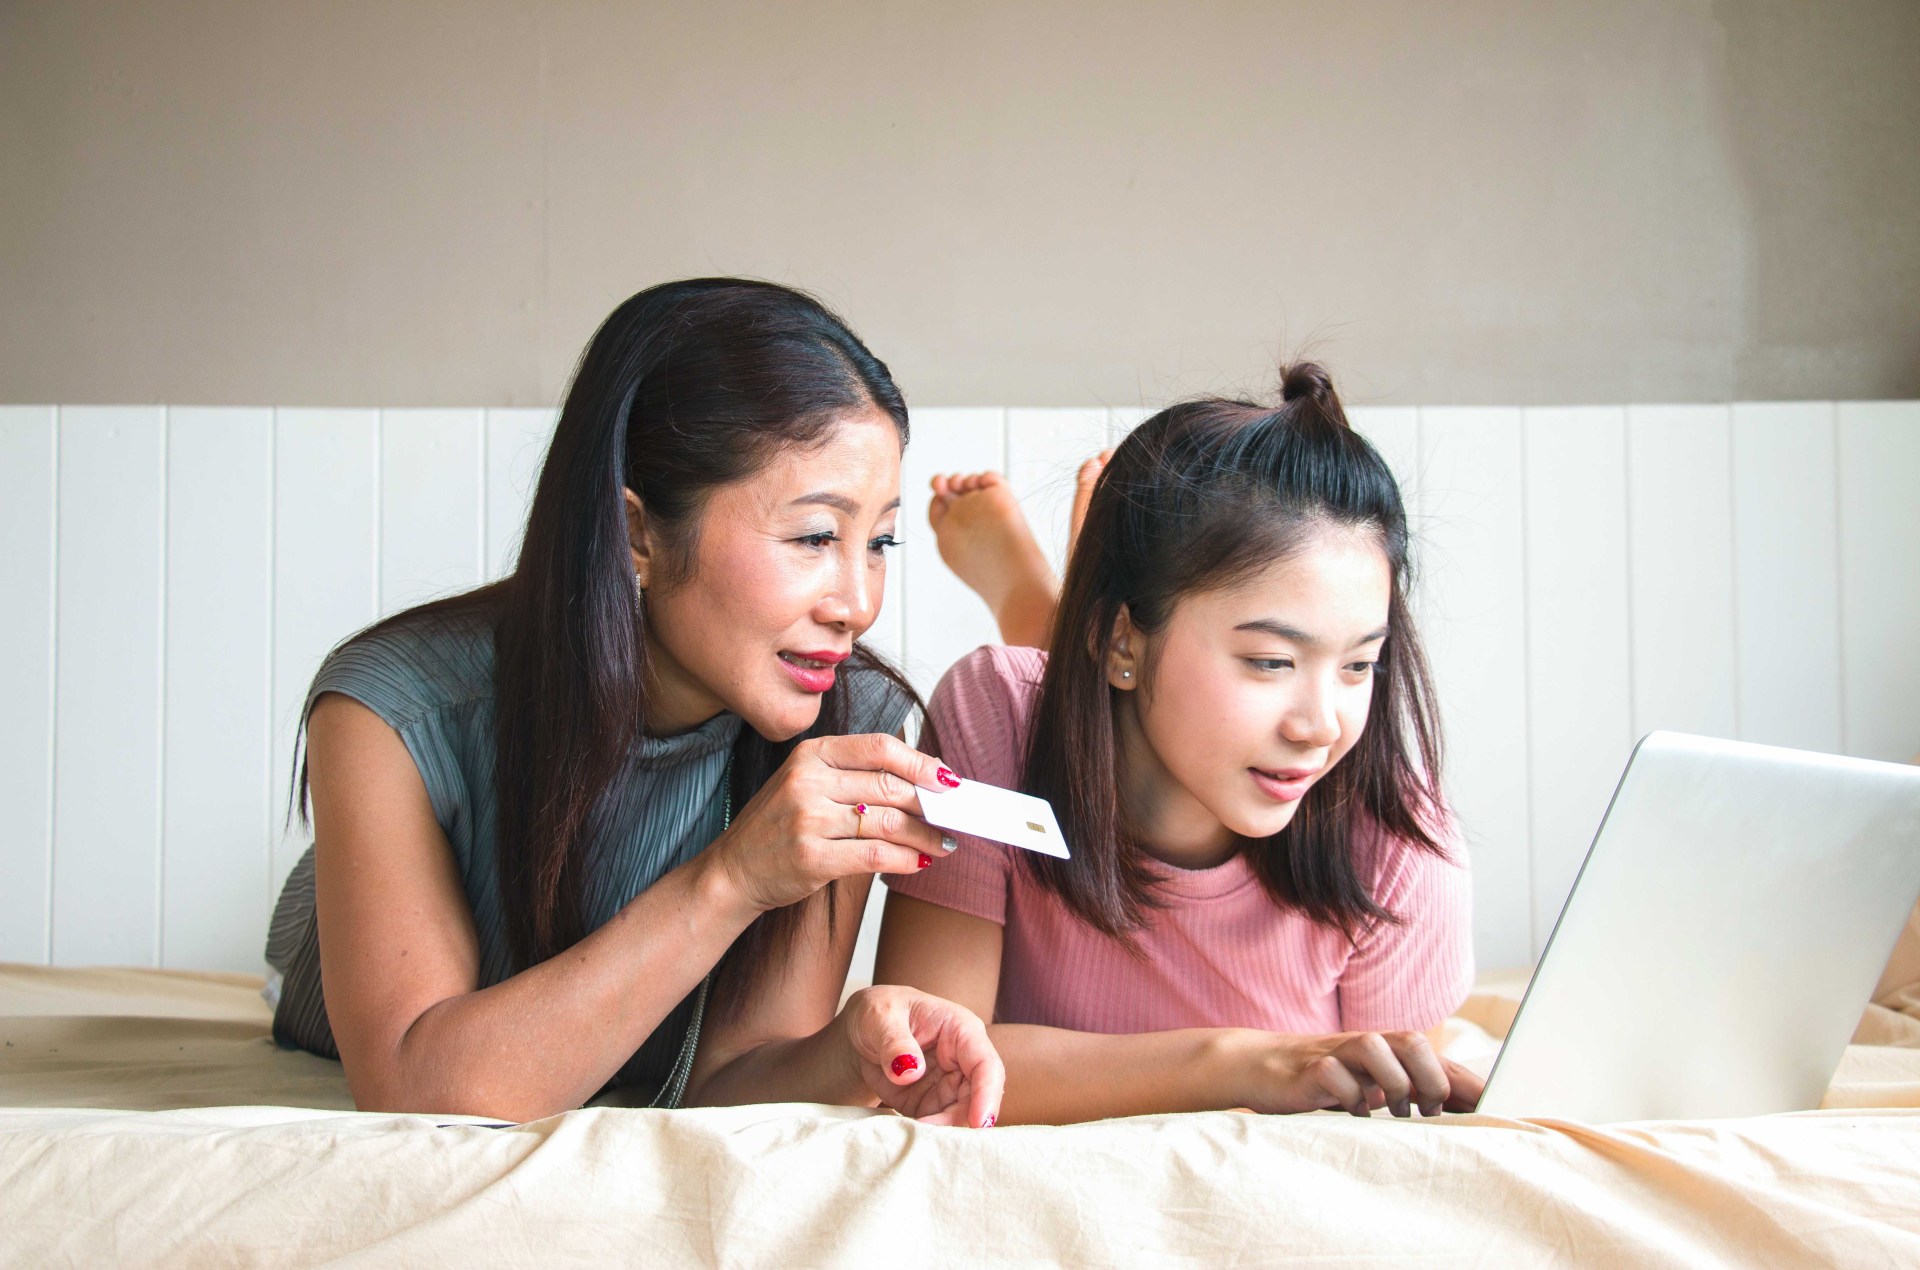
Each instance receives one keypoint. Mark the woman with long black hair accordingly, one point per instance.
(611, 821)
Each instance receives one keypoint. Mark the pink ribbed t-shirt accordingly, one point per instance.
(1221, 953)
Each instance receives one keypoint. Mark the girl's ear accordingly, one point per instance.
(639, 540)
(1123, 653)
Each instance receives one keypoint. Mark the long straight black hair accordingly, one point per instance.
(1200, 496)
(686, 387)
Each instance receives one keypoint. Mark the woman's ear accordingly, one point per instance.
(639, 540)
(1123, 660)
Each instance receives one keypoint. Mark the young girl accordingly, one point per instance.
(1267, 906)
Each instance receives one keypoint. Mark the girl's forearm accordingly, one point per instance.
(1059, 1077)
(546, 1040)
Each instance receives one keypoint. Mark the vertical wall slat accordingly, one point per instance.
(1472, 602)
(517, 442)
(430, 511)
(1045, 448)
(1579, 678)
(1680, 521)
(28, 445)
(219, 580)
(1879, 452)
(1394, 431)
(945, 620)
(1786, 575)
(324, 536)
(106, 847)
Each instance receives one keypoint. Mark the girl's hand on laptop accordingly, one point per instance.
(1358, 1072)
(924, 1056)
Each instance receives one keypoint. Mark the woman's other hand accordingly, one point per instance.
(923, 1056)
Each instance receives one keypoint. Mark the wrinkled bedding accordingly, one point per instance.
(146, 1118)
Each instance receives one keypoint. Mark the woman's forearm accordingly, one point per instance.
(1059, 1077)
(547, 1039)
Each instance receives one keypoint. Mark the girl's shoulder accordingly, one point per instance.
(997, 679)
(1395, 865)
(981, 709)
(1005, 669)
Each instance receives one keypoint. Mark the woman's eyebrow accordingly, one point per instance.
(839, 502)
(1293, 634)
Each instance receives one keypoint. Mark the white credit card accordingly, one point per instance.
(1002, 815)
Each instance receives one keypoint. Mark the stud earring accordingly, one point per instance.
(1126, 674)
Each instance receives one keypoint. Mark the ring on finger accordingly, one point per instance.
(859, 820)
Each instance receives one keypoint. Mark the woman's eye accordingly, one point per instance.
(1270, 663)
(883, 542)
(1363, 667)
(819, 540)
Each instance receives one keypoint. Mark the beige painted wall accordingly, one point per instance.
(365, 202)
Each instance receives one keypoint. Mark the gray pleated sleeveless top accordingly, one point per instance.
(434, 686)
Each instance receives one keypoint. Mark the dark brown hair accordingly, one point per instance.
(1201, 496)
(686, 387)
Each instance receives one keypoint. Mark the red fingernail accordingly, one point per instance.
(926, 861)
(987, 1123)
(905, 1063)
(948, 779)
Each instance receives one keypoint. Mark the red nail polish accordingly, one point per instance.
(926, 861)
(905, 1063)
(947, 778)
(987, 1123)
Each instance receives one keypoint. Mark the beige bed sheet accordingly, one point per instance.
(262, 1161)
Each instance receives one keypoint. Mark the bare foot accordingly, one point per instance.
(1083, 482)
(984, 538)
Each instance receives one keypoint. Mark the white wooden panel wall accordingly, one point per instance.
(219, 663)
(111, 523)
(173, 577)
(1879, 459)
(1469, 522)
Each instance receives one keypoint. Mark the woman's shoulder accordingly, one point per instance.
(412, 666)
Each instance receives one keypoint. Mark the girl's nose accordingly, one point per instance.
(1311, 720)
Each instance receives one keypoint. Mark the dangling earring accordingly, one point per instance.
(640, 590)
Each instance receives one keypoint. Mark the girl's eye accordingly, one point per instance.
(883, 542)
(1270, 663)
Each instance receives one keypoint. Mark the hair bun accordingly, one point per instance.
(1305, 379)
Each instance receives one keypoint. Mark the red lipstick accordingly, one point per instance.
(813, 671)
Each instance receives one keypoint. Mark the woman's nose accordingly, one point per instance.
(1311, 720)
(852, 600)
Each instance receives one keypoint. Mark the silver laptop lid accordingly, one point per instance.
(1731, 918)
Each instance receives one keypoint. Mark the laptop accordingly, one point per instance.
(1724, 934)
